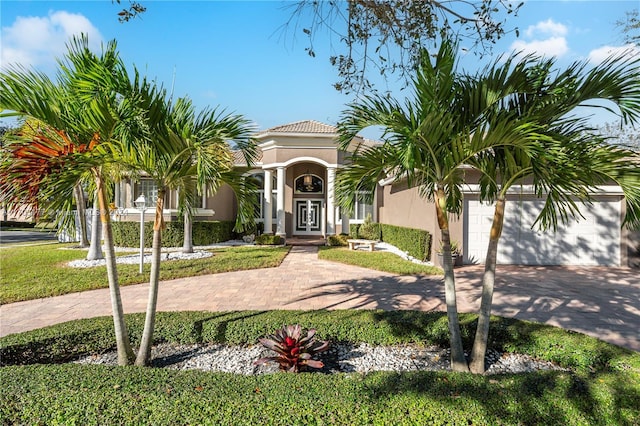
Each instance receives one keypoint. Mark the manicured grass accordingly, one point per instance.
(603, 387)
(380, 261)
(32, 272)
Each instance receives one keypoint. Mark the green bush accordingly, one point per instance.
(416, 242)
(127, 234)
(369, 231)
(337, 240)
(268, 240)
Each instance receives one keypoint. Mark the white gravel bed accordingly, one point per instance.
(168, 253)
(403, 254)
(340, 358)
(134, 259)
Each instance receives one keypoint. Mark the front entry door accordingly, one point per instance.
(308, 217)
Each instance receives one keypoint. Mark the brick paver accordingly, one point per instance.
(598, 301)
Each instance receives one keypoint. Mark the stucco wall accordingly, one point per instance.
(398, 205)
(223, 204)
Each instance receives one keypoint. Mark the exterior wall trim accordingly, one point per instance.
(530, 189)
(300, 160)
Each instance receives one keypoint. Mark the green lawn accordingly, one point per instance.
(39, 387)
(30, 272)
(380, 261)
(35, 271)
(602, 388)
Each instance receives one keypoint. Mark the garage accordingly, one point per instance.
(594, 240)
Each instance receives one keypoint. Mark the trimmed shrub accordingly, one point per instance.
(416, 242)
(337, 240)
(268, 240)
(370, 231)
(127, 234)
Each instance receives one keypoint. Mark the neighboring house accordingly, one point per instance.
(297, 169)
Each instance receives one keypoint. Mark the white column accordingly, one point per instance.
(345, 222)
(280, 228)
(267, 216)
(331, 209)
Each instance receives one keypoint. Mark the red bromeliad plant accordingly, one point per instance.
(293, 352)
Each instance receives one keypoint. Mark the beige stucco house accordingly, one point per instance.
(297, 168)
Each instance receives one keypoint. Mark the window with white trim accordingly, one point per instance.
(149, 188)
(360, 209)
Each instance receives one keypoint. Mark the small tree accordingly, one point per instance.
(179, 149)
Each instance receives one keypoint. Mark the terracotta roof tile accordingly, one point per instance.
(306, 126)
(238, 158)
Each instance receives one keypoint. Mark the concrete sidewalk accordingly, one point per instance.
(598, 301)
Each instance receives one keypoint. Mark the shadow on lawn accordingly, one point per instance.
(537, 398)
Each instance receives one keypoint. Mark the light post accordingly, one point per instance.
(140, 203)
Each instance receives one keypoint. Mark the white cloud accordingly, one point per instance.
(547, 28)
(554, 46)
(37, 41)
(597, 56)
(546, 38)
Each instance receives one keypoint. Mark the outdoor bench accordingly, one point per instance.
(354, 243)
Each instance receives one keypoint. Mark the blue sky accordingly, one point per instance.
(233, 54)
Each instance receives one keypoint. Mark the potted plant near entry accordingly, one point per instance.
(456, 253)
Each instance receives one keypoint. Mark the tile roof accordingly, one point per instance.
(238, 158)
(305, 126)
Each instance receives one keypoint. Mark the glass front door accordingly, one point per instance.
(308, 217)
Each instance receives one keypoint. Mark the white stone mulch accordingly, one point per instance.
(172, 253)
(340, 358)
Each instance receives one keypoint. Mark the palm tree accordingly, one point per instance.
(182, 148)
(427, 145)
(207, 144)
(95, 248)
(572, 159)
(83, 112)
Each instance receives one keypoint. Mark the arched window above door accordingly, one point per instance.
(309, 184)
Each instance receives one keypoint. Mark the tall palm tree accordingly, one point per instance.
(180, 148)
(428, 140)
(207, 143)
(572, 159)
(83, 111)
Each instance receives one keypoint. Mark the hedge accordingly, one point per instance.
(416, 242)
(127, 234)
(268, 239)
(337, 240)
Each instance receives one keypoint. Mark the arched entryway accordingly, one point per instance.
(309, 203)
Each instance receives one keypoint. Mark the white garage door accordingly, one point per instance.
(594, 240)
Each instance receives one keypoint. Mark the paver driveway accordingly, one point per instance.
(598, 301)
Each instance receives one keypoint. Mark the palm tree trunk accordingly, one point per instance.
(458, 360)
(78, 194)
(187, 245)
(123, 344)
(479, 350)
(95, 249)
(144, 353)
